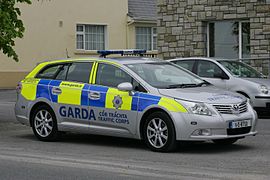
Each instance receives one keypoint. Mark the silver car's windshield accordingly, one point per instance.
(240, 69)
(166, 75)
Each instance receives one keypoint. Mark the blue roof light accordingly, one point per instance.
(104, 53)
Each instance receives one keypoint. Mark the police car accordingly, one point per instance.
(133, 97)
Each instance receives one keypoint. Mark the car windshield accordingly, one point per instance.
(240, 69)
(166, 75)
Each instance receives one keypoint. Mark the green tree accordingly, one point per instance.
(11, 27)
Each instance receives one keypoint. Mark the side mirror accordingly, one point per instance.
(125, 86)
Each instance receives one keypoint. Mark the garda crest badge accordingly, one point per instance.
(117, 102)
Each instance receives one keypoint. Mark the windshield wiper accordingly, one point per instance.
(187, 85)
(181, 86)
(205, 83)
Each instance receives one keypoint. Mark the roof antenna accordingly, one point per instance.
(67, 53)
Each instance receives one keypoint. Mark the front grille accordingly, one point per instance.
(231, 109)
(238, 131)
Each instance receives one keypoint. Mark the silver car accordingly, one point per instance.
(133, 97)
(234, 76)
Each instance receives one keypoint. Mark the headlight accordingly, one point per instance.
(196, 108)
(264, 89)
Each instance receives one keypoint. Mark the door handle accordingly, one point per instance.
(94, 95)
(56, 91)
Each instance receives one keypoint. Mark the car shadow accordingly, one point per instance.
(210, 148)
(108, 141)
(100, 140)
(97, 140)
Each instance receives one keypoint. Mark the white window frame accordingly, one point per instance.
(240, 53)
(80, 33)
(152, 36)
(83, 33)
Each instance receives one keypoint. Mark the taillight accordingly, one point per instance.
(19, 87)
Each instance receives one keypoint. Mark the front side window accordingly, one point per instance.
(146, 38)
(111, 76)
(240, 69)
(229, 39)
(165, 75)
(90, 37)
(208, 69)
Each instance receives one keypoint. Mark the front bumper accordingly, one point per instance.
(186, 124)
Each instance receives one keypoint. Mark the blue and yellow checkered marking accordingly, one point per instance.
(135, 102)
(84, 95)
(78, 94)
(146, 100)
(54, 83)
(43, 89)
(103, 91)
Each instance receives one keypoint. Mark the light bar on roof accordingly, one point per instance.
(104, 53)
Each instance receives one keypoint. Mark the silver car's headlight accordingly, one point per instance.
(264, 89)
(196, 107)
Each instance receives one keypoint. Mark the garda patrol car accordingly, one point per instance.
(134, 97)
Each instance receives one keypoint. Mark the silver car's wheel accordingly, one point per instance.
(43, 123)
(157, 132)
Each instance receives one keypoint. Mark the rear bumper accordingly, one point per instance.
(23, 120)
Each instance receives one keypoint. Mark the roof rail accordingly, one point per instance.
(104, 53)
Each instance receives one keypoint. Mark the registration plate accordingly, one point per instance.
(239, 124)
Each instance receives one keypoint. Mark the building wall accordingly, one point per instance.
(51, 33)
(182, 25)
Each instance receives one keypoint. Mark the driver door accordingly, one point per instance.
(116, 110)
(210, 72)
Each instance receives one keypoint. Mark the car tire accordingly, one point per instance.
(225, 141)
(159, 132)
(44, 124)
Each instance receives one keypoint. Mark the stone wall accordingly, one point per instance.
(182, 25)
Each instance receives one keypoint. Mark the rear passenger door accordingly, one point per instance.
(69, 94)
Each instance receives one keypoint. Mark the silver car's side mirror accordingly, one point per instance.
(126, 86)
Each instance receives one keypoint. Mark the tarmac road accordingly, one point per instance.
(79, 156)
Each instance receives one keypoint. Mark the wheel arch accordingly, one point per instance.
(37, 104)
(243, 93)
(147, 113)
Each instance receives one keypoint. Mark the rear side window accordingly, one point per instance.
(186, 64)
(62, 74)
(79, 72)
(48, 72)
